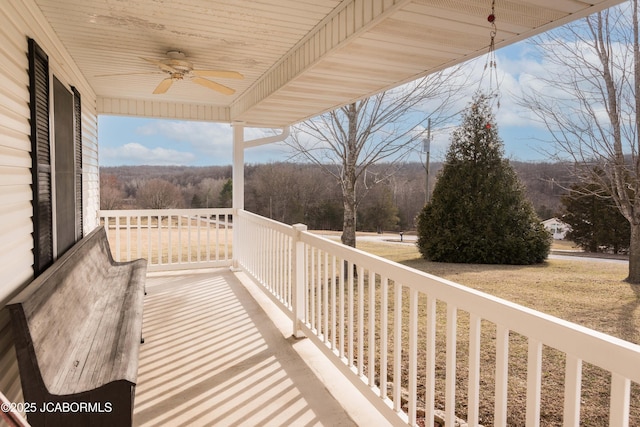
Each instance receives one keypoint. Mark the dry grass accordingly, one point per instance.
(592, 294)
(184, 241)
(588, 293)
(564, 245)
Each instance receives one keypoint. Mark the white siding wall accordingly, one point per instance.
(22, 19)
(90, 177)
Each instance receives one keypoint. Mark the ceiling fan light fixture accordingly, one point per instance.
(177, 66)
(180, 65)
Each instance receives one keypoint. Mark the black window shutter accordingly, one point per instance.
(77, 135)
(41, 158)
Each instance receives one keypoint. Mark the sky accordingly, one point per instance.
(138, 141)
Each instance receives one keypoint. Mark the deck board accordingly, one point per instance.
(212, 356)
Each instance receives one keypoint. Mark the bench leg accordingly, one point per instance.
(145, 292)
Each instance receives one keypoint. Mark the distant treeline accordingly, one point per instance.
(304, 193)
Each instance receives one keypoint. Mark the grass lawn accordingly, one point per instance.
(592, 294)
(190, 239)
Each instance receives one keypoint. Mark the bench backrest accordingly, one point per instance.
(60, 303)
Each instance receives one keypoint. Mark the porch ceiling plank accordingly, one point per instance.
(378, 68)
(424, 20)
(324, 79)
(414, 22)
(544, 10)
(370, 70)
(427, 51)
(334, 52)
(451, 40)
(435, 52)
(292, 98)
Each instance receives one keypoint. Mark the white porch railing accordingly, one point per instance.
(171, 239)
(354, 320)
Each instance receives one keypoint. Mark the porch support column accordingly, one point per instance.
(238, 187)
(238, 165)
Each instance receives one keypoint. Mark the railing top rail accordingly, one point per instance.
(164, 212)
(573, 339)
(278, 226)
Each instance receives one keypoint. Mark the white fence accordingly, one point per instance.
(171, 239)
(348, 303)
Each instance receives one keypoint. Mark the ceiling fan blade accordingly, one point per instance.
(161, 65)
(213, 85)
(218, 73)
(163, 86)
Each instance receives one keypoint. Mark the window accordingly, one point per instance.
(41, 158)
(77, 122)
(57, 162)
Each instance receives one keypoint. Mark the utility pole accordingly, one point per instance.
(427, 150)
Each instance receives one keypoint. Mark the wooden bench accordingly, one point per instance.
(77, 329)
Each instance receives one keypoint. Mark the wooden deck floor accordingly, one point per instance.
(212, 356)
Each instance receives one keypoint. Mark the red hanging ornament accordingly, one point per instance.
(488, 126)
(490, 67)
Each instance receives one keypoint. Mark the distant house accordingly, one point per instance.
(557, 228)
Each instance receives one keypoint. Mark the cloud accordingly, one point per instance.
(202, 138)
(212, 143)
(134, 153)
(268, 153)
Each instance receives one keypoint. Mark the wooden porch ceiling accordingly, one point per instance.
(299, 57)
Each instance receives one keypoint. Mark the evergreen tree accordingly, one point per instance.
(596, 223)
(378, 212)
(478, 212)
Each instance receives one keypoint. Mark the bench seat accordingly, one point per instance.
(77, 330)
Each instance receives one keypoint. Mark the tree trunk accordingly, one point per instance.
(634, 257)
(634, 245)
(349, 219)
(349, 178)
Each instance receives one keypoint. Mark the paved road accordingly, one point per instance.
(411, 240)
(590, 259)
(372, 237)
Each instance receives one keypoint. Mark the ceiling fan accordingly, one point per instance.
(178, 68)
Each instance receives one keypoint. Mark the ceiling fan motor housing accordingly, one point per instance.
(177, 60)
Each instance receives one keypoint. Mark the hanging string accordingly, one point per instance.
(490, 67)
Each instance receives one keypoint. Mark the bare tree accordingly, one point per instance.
(158, 193)
(209, 191)
(111, 194)
(386, 127)
(589, 101)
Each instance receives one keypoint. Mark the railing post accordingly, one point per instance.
(236, 239)
(298, 264)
